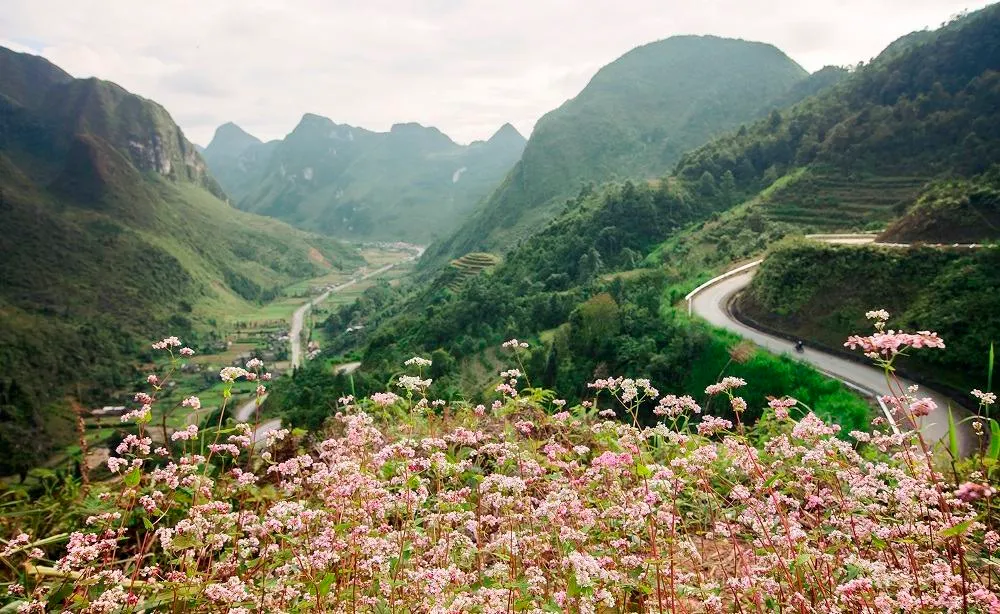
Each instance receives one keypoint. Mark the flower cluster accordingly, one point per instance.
(520, 509)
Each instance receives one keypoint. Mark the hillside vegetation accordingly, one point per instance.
(113, 231)
(635, 119)
(952, 211)
(821, 292)
(927, 109)
(412, 183)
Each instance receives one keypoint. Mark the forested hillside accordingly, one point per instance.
(112, 232)
(635, 119)
(412, 183)
(926, 110)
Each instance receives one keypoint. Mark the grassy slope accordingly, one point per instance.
(955, 211)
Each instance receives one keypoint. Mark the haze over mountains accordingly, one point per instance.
(412, 183)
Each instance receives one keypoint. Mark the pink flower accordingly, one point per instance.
(970, 491)
(186, 351)
(890, 343)
(922, 407)
(781, 406)
(727, 384)
(192, 402)
(711, 425)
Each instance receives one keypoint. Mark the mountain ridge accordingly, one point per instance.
(410, 183)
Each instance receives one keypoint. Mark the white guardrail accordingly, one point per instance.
(711, 282)
(746, 267)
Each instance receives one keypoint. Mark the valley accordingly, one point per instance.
(717, 334)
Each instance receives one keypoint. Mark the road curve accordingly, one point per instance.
(711, 304)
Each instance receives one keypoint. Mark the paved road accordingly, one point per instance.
(299, 316)
(710, 304)
(246, 411)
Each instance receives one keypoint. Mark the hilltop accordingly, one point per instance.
(634, 119)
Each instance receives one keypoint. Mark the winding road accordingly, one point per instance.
(248, 409)
(299, 316)
(711, 300)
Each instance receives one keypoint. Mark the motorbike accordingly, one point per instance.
(800, 347)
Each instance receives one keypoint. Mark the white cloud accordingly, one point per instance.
(465, 66)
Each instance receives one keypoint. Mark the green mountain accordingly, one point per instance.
(856, 155)
(113, 231)
(635, 119)
(412, 183)
(237, 159)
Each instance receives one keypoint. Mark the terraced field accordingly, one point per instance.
(836, 202)
(468, 266)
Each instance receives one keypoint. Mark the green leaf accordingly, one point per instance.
(994, 451)
(989, 371)
(325, 583)
(643, 471)
(958, 529)
(952, 435)
(132, 477)
(146, 523)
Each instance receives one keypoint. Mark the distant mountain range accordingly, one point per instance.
(412, 183)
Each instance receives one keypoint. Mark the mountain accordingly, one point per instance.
(635, 119)
(113, 231)
(856, 155)
(412, 183)
(237, 159)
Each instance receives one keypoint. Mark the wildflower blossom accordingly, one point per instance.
(169, 342)
(254, 363)
(186, 351)
(412, 383)
(190, 432)
(727, 384)
(711, 425)
(418, 361)
(192, 402)
(889, 343)
(781, 406)
(384, 399)
(142, 414)
(985, 398)
(673, 406)
(231, 374)
(514, 344)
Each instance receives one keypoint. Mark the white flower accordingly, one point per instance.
(418, 361)
(231, 374)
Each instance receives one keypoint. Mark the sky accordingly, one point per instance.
(464, 66)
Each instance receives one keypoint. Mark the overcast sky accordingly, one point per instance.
(465, 66)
